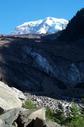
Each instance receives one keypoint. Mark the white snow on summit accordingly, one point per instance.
(46, 26)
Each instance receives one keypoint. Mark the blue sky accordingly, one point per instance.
(16, 12)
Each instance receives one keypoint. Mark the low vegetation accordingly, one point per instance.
(74, 119)
(29, 104)
(57, 116)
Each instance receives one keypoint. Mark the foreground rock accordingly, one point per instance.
(39, 113)
(8, 118)
(23, 118)
(9, 98)
(53, 124)
(30, 117)
(26, 118)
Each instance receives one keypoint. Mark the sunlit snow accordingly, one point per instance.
(47, 25)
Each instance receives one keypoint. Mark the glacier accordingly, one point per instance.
(48, 25)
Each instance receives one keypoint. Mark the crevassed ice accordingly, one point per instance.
(42, 62)
(73, 73)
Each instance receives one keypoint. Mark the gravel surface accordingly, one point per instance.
(54, 104)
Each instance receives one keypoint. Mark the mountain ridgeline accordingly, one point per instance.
(75, 28)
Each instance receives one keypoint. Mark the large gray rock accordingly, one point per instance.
(8, 118)
(2, 123)
(18, 93)
(8, 97)
(27, 117)
(40, 113)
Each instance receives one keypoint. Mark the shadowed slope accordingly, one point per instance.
(49, 68)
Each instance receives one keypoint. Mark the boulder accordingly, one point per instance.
(8, 98)
(31, 117)
(8, 118)
(26, 118)
(18, 93)
(40, 113)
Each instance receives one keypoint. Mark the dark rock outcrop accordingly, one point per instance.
(51, 68)
(75, 28)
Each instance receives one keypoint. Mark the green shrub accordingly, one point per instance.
(29, 104)
(49, 114)
(76, 122)
(75, 119)
(75, 111)
(57, 116)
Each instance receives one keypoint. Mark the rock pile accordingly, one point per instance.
(53, 104)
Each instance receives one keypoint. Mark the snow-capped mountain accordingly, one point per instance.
(44, 26)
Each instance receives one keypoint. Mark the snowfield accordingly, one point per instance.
(43, 26)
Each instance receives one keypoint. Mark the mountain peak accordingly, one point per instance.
(43, 26)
